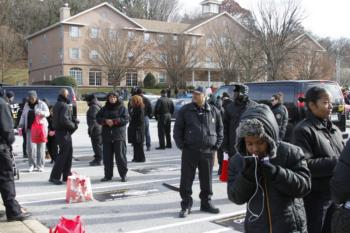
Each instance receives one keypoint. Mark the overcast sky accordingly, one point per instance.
(324, 18)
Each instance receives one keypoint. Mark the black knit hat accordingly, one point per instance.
(90, 97)
(241, 88)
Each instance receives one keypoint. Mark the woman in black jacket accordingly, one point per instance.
(136, 128)
(113, 117)
(269, 175)
(322, 144)
(281, 113)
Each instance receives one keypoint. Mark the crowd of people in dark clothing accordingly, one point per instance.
(301, 186)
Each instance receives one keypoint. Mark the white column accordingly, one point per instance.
(209, 78)
(192, 77)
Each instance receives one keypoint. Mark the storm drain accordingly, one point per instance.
(122, 194)
(235, 222)
(156, 169)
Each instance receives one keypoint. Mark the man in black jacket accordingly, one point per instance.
(198, 133)
(94, 129)
(163, 110)
(232, 117)
(64, 125)
(148, 116)
(14, 212)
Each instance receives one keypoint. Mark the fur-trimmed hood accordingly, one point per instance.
(258, 121)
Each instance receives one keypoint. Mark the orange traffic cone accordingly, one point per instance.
(224, 169)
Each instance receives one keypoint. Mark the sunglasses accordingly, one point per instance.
(272, 100)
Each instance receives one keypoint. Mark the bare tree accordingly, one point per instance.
(177, 55)
(117, 51)
(277, 28)
(10, 49)
(239, 57)
(163, 10)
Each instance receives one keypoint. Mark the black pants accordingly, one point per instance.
(63, 163)
(319, 210)
(220, 154)
(96, 142)
(189, 163)
(164, 129)
(7, 184)
(24, 144)
(139, 154)
(52, 147)
(117, 149)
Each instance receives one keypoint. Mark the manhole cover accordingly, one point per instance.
(235, 222)
(156, 169)
(122, 194)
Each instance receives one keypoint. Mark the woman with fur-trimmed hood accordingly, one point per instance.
(269, 175)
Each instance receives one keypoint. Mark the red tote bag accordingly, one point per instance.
(66, 225)
(38, 131)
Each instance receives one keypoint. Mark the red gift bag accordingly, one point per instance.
(224, 169)
(37, 131)
(66, 225)
(78, 189)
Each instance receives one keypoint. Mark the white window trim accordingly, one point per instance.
(94, 33)
(71, 53)
(94, 55)
(146, 37)
(70, 31)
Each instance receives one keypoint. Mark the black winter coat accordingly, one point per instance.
(340, 187)
(281, 114)
(198, 132)
(63, 116)
(148, 107)
(280, 194)
(7, 136)
(164, 105)
(119, 114)
(136, 129)
(94, 129)
(231, 120)
(322, 147)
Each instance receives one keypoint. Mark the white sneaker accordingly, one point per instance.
(31, 168)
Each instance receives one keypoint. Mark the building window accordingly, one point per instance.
(175, 37)
(162, 78)
(94, 55)
(130, 56)
(74, 31)
(77, 74)
(95, 77)
(74, 53)
(44, 59)
(146, 37)
(94, 33)
(208, 60)
(131, 35)
(44, 36)
(60, 54)
(112, 34)
(161, 38)
(148, 56)
(131, 79)
(163, 57)
(194, 41)
(209, 43)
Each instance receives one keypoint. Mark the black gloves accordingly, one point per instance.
(249, 164)
(270, 170)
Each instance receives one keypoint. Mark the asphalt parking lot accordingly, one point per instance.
(147, 202)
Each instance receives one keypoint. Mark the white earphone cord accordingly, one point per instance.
(255, 216)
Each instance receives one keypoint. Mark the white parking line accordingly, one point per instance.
(101, 187)
(182, 223)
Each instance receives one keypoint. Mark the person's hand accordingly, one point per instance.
(269, 169)
(249, 165)
(51, 133)
(109, 122)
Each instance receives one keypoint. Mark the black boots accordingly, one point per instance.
(185, 208)
(210, 208)
(95, 162)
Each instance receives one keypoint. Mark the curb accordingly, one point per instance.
(26, 226)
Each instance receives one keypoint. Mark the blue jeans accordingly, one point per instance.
(147, 135)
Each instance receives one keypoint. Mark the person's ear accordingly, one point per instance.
(312, 106)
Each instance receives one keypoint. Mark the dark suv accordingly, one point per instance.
(50, 93)
(292, 90)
